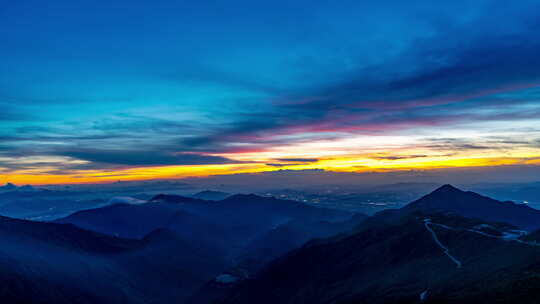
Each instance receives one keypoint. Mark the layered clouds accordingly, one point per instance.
(94, 90)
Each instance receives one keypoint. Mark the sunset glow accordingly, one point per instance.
(287, 86)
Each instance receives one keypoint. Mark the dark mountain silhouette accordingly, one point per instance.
(397, 264)
(60, 263)
(28, 188)
(246, 214)
(287, 236)
(29, 202)
(8, 187)
(427, 252)
(211, 195)
(439, 249)
(272, 244)
(13, 187)
(533, 236)
(244, 232)
(124, 220)
(470, 204)
(176, 199)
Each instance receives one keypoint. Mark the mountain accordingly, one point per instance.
(246, 231)
(8, 187)
(125, 200)
(124, 220)
(404, 262)
(27, 188)
(267, 247)
(249, 249)
(244, 215)
(211, 195)
(60, 263)
(473, 205)
(27, 202)
(426, 252)
(13, 187)
(290, 235)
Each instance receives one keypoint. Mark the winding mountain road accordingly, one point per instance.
(445, 249)
(505, 237)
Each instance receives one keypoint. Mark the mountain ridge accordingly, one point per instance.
(471, 204)
(424, 252)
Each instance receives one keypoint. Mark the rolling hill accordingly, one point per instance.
(426, 252)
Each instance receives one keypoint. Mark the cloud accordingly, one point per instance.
(144, 158)
(398, 157)
(286, 162)
(320, 178)
(457, 63)
(323, 76)
(282, 165)
(467, 144)
(301, 160)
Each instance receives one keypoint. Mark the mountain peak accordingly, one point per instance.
(447, 189)
(9, 186)
(172, 198)
(473, 205)
(244, 197)
(26, 188)
(211, 195)
(445, 197)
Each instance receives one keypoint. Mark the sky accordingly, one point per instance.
(100, 91)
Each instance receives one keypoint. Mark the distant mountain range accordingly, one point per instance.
(449, 246)
(33, 203)
(243, 231)
(59, 263)
(211, 195)
(13, 187)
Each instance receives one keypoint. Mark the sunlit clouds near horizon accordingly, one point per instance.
(94, 91)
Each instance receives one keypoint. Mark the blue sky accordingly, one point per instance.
(107, 84)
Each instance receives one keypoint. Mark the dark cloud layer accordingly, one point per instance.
(144, 158)
(456, 65)
(301, 160)
(255, 74)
